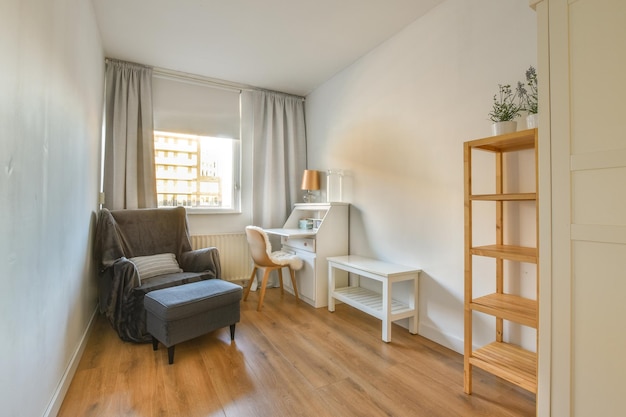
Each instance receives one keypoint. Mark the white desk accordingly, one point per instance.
(292, 233)
(381, 306)
(313, 246)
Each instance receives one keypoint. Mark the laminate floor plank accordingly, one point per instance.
(274, 374)
(298, 347)
(288, 360)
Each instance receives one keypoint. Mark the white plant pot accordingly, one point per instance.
(500, 128)
(532, 121)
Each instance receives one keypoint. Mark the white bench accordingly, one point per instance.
(381, 306)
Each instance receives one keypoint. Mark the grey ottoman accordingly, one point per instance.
(180, 313)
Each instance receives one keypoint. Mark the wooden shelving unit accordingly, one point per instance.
(508, 361)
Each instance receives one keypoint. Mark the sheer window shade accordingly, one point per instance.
(193, 108)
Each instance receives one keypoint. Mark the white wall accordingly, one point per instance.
(395, 121)
(50, 122)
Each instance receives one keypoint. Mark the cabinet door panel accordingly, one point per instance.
(305, 277)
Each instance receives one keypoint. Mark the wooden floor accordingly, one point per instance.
(288, 360)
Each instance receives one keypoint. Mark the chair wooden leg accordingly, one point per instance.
(293, 282)
(263, 284)
(280, 280)
(247, 291)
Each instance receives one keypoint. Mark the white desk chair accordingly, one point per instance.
(263, 257)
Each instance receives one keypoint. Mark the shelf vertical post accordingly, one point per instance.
(467, 367)
(499, 238)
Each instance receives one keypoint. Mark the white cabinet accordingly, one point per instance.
(583, 235)
(313, 246)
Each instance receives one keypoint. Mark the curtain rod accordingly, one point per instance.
(119, 61)
(201, 79)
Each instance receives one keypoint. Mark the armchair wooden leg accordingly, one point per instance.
(252, 276)
(293, 282)
(263, 284)
(155, 343)
(232, 332)
(170, 354)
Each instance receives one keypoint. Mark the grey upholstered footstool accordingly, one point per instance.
(180, 313)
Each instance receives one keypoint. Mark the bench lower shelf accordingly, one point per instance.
(371, 303)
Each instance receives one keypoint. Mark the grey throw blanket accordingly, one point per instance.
(123, 234)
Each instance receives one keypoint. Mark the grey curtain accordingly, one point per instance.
(129, 172)
(276, 123)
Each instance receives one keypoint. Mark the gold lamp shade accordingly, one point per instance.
(311, 180)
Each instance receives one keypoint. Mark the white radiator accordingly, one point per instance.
(234, 255)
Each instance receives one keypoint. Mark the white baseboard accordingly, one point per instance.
(59, 395)
(437, 336)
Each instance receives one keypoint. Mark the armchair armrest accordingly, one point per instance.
(113, 280)
(200, 260)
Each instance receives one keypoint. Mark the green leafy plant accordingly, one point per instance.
(528, 96)
(506, 105)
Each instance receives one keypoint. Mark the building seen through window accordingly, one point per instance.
(194, 171)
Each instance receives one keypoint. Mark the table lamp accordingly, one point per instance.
(310, 183)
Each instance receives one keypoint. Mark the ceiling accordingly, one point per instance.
(291, 46)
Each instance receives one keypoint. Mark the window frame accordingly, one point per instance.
(236, 176)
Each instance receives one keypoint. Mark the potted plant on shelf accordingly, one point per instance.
(506, 107)
(528, 97)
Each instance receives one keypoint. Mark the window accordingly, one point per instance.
(195, 171)
(196, 144)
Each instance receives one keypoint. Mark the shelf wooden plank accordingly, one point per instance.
(508, 252)
(371, 302)
(509, 362)
(508, 307)
(516, 141)
(504, 197)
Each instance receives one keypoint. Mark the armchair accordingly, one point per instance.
(125, 234)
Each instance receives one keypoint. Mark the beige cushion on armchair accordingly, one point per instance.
(154, 265)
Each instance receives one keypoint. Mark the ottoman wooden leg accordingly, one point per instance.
(170, 354)
(155, 343)
(232, 332)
